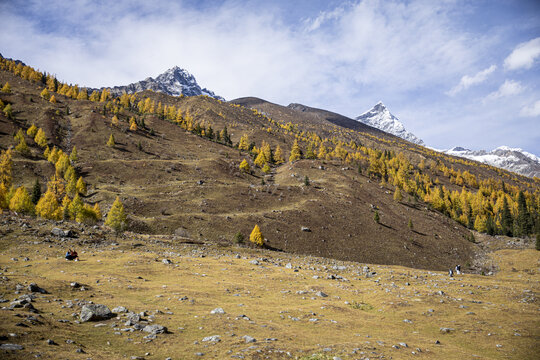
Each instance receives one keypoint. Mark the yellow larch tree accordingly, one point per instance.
(256, 236)
(116, 218)
(48, 207)
(21, 201)
(296, 153)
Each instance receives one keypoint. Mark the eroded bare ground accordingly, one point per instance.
(274, 305)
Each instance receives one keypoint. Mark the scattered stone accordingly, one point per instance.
(321, 294)
(446, 330)
(75, 285)
(254, 262)
(166, 261)
(11, 347)
(213, 338)
(288, 266)
(51, 342)
(34, 288)
(119, 309)
(94, 312)
(155, 329)
(217, 311)
(407, 321)
(249, 339)
(61, 233)
(305, 228)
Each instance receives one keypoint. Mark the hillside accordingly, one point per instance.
(175, 179)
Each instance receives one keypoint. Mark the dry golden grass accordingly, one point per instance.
(364, 315)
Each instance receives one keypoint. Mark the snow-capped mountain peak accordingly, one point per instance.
(380, 117)
(175, 81)
(512, 159)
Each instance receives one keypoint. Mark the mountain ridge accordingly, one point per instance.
(175, 81)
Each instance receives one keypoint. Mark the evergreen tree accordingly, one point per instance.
(21, 201)
(376, 217)
(256, 236)
(524, 223)
(65, 207)
(410, 225)
(116, 218)
(36, 192)
(296, 153)
(48, 208)
(306, 181)
(506, 219)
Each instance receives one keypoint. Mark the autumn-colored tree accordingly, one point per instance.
(256, 236)
(410, 224)
(6, 88)
(66, 201)
(244, 166)
(62, 165)
(74, 156)
(397, 195)
(45, 94)
(243, 144)
(111, 142)
(266, 169)
(114, 120)
(296, 153)
(53, 99)
(21, 202)
(56, 185)
(32, 131)
(278, 155)
(97, 211)
(6, 163)
(48, 207)
(40, 138)
(260, 160)
(81, 186)
(75, 207)
(133, 125)
(4, 203)
(116, 218)
(83, 95)
(86, 215)
(8, 111)
(71, 186)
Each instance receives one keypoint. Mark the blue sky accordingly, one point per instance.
(456, 73)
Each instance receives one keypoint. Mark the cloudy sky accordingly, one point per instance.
(454, 72)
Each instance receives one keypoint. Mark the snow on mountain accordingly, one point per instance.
(175, 82)
(380, 117)
(504, 157)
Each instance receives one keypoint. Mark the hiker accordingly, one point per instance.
(72, 255)
(458, 269)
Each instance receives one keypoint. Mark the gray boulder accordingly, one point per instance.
(95, 312)
(155, 329)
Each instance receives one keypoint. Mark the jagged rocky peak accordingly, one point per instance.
(175, 82)
(380, 117)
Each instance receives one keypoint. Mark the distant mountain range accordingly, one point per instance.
(380, 117)
(504, 157)
(175, 81)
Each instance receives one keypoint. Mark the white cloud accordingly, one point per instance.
(524, 55)
(508, 88)
(531, 111)
(468, 81)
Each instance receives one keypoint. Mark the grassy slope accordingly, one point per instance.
(214, 276)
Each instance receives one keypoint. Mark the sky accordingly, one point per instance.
(456, 73)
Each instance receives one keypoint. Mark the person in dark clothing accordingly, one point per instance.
(72, 255)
